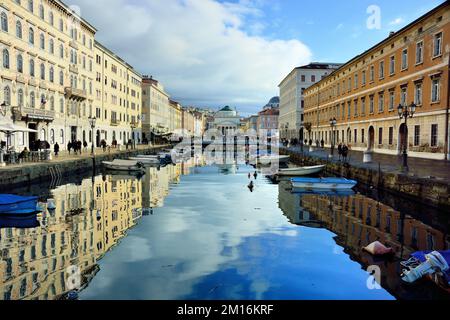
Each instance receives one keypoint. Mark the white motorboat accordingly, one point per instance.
(301, 171)
(270, 159)
(124, 165)
(150, 156)
(146, 160)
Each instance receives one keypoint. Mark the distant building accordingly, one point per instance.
(268, 120)
(291, 96)
(227, 120)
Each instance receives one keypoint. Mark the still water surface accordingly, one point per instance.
(197, 232)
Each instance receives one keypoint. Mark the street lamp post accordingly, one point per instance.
(92, 121)
(333, 123)
(405, 112)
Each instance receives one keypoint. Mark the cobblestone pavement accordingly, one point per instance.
(424, 168)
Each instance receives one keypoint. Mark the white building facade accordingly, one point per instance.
(291, 96)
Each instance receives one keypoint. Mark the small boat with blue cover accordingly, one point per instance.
(11, 204)
(323, 183)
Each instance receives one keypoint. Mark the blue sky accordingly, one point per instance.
(212, 53)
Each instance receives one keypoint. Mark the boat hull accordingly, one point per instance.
(298, 172)
(154, 161)
(323, 184)
(123, 165)
(273, 159)
(17, 205)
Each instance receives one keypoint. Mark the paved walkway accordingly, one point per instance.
(424, 168)
(65, 156)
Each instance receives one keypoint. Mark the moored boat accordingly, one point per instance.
(17, 205)
(323, 183)
(270, 159)
(154, 161)
(301, 171)
(124, 165)
(19, 222)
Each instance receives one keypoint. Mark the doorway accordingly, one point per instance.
(73, 133)
(32, 136)
(403, 138)
(371, 138)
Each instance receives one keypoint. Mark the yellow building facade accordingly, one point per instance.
(118, 95)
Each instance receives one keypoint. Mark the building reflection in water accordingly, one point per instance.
(89, 220)
(358, 221)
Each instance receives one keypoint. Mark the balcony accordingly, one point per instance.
(114, 122)
(134, 124)
(37, 114)
(75, 94)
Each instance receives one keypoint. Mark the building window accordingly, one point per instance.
(349, 109)
(356, 80)
(61, 25)
(19, 63)
(41, 12)
(381, 102)
(61, 51)
(392, 65)
(391, 135)
(418, 94)
(4, 19)
(313, 78)
(7, 95)
(51, 75)
(42, 71)
(18, 29)
(371, 105)
(20, 98)
(30, 5)
(5, 59)
(391, 100)
(52, 103)
(356, 108)
(61, 105)
(31, 36)
(434, 135)
(52, 136)
(372, 73)
(61, 136)
(381, 70)
(435, 90)
(363, 106)
(416, 135)
(419, 52)
(363, 80)
(61, 78)
(355, 135)
(404, 97)
(303, 78)
(42, 41)
(51, 46)
(32, 100)
(437, 45)
(405, 59)
(380, 136)
(51, 18)
(362, 136)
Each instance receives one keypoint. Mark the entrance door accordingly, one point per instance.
(32, 136)
(97, 138)
(371, 138)
(403, 138)
(73, 133)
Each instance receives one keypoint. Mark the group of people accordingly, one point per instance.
(76, 146)
(343, 152)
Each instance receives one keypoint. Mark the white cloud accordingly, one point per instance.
(205, 52)
(397, 21)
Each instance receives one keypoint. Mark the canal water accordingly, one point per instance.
(193, 231)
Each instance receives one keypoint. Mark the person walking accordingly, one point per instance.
(56, 149)
(69, 146)
(322, 143)
(79, 146)
(345, 152)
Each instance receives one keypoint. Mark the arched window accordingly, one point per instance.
(30, 5)
(51, 18)
(61, 105)
(52, 103)
(31, 36)
(61, 25)
(61, 51)
(61, 136)
(32, 67)
(7, 95)
(19, 29)
(43, 101)
(42, 41)
(20, 97)
(42, 71)
(41, 12)
(4, 19)
(19, 63)
(43, 136)
(51, 46)
(51, 75)
(32, 100)
(52, 136)
(61, 78)
(5, 59)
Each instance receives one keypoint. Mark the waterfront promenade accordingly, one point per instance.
(418, 167)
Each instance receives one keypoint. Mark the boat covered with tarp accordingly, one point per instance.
(323, 183)
(11, 204)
